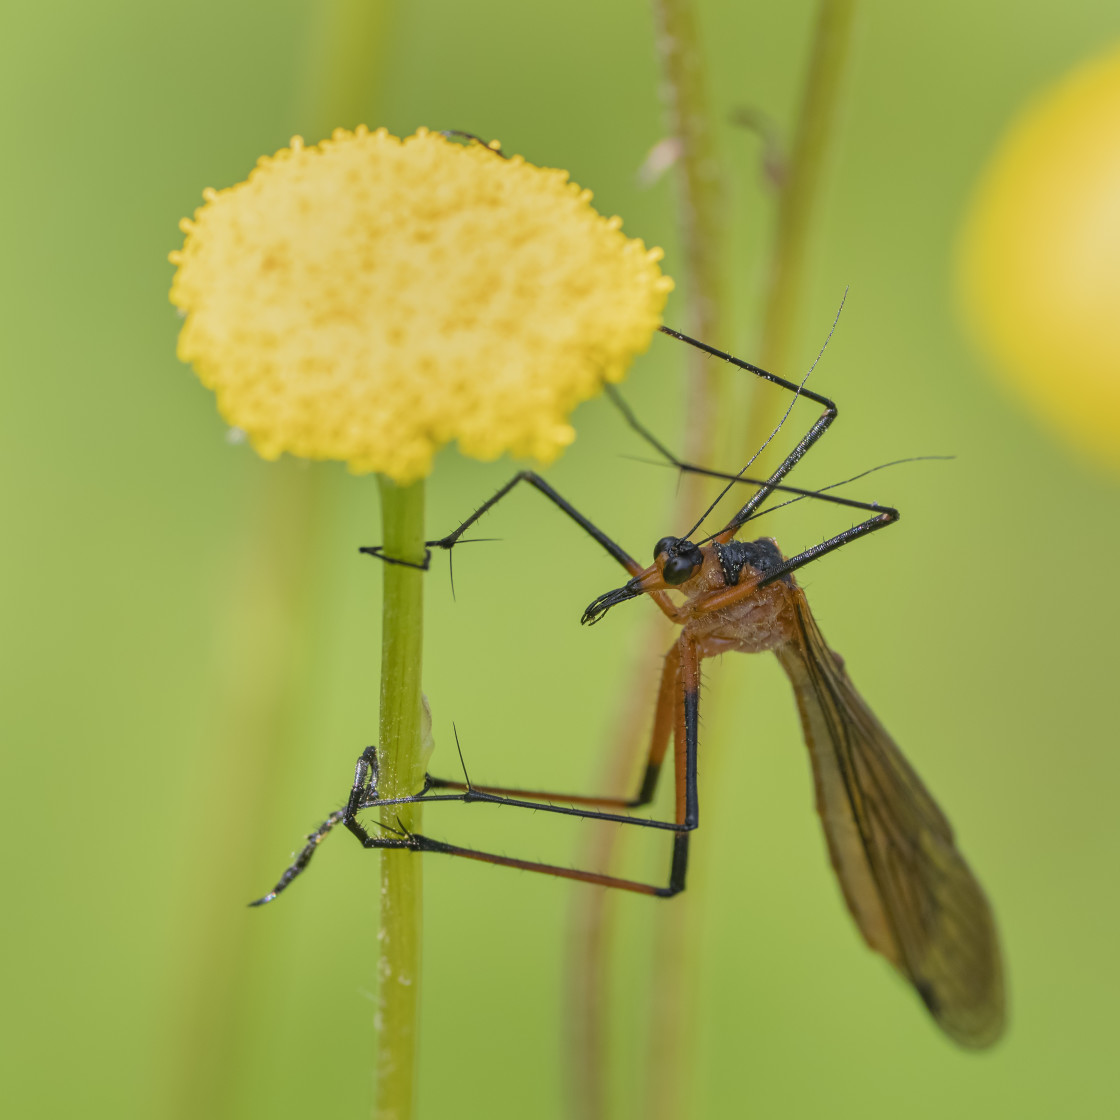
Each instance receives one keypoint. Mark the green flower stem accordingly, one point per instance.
(702, 216)
(797, 201)
(401, 772)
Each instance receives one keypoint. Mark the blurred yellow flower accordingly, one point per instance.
(1040, 258)
(371, 299)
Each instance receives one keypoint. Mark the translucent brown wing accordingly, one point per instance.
(908, 887)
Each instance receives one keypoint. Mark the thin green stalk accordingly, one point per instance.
(262, 628)
(701, 208)
(797, 202)
(702, 219)
(401, 772)
(703, 227)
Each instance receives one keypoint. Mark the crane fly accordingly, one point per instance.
(909, 889)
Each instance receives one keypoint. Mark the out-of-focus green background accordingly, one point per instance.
(135, 981)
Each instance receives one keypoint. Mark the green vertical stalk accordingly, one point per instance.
(401, 772)
(704, 238)
(797, 202)
(702, 217)
(703, 232)
(701, 213)
(261, 632)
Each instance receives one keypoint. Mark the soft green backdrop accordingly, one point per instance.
(135, 982)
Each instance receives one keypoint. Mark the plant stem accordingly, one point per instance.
(702, 219)
(703, 230)
(701, 211)
(796, 203)
(261, 629)
(401, 772)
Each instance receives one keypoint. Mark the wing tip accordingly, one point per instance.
(980, 1028)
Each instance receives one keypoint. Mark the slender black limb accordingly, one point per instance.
(791, 460)
(415, 842)
(452, 539)
(450, 132)
(886, 516)
(423, 565)
(686, 704)
(503, 794)
(678, 866)
(361, 799)
(378, 551)
(365, 786)
(363, 795)
(659, 738)
(475, 795)
(863, 474)
(304, 857)
(820, 494)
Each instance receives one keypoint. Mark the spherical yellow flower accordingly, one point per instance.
(1040, 258)
(371, 299)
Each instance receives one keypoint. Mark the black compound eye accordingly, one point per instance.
(680, 567)
(664, 545)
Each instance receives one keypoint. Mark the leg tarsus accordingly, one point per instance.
(379, 551)
(452, 539)
(301, 861)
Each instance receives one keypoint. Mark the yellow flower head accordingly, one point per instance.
(371, 299)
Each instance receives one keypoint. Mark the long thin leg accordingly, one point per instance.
(686, 723)
(589, 527)
(666, 723)
(887, 516)
(659, 742)
(365, 781)
(662, 601)
(676, 714)
(299, 864)
(792, 459)
(707, 472)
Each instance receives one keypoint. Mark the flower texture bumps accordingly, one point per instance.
(371, 299)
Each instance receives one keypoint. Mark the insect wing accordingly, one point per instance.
(908, 887)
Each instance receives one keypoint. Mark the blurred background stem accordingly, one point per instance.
(701, 211)
(703, 230)
(401, 772)
(260, 654)
(701, 216)
(798, 196)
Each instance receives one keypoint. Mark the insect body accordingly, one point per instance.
(909, 889)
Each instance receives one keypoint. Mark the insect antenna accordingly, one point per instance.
(670, 460)
(785, 416)
(824, 497)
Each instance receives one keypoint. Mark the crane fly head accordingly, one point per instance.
(675, 561)
(679, 560)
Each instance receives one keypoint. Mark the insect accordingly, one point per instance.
(905, 882)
